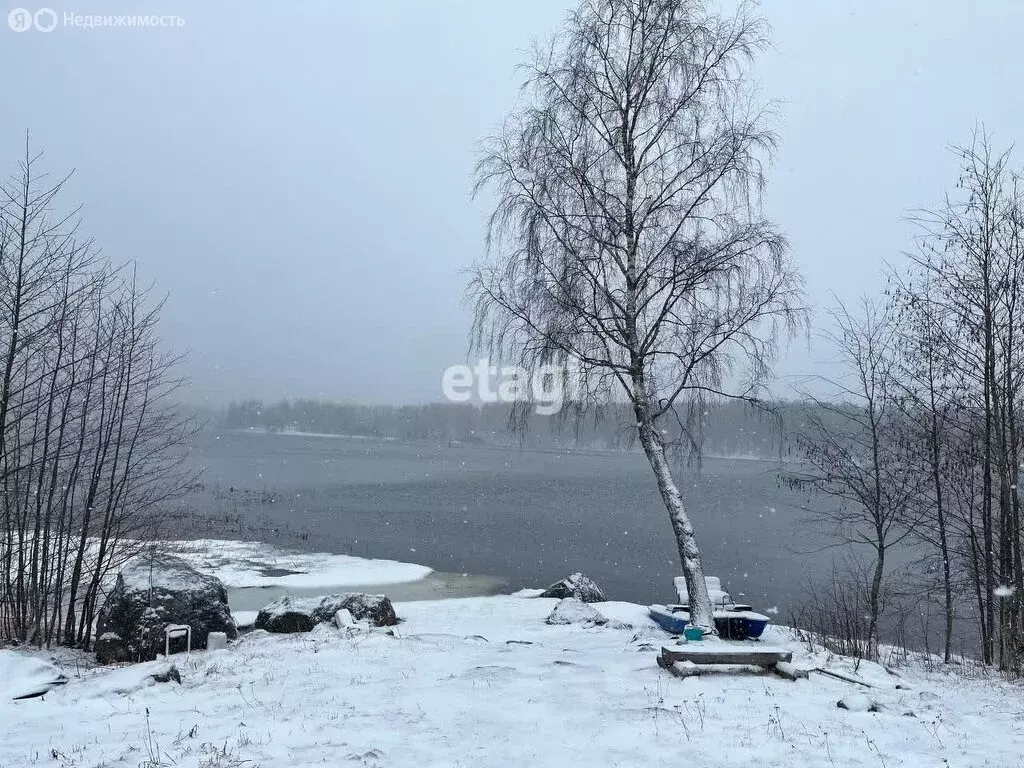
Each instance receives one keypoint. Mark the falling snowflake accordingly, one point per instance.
(1003, 590)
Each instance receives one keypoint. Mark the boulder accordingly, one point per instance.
(578, 586)
(152, 591)
(858, 702)
(573, 611)
(376, 609)
(301, 614)
(111, 648)
(23, 676)
(288, 614)
(125, 680)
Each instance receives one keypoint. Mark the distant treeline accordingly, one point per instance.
(727, 429)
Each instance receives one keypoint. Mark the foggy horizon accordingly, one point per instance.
(298, 182)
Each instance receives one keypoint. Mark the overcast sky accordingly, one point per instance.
(296, 175)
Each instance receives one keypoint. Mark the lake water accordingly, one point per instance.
(526, 517)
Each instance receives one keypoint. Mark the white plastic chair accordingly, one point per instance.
(719, 597)
(174, 631)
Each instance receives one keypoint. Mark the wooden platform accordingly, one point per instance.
(686, 659)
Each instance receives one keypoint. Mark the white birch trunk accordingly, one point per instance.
(701, 611)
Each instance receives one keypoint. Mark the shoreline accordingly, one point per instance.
(257, 573)
(435, 586)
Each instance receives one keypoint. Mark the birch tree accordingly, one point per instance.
(627, 239)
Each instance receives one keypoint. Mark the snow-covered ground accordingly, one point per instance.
(255, 564)
(482, 682)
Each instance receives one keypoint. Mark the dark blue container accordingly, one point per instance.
(671, 621)
(731, 625)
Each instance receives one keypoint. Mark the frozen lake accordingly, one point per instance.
(528, 517)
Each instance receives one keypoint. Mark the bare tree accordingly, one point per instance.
(627, 238)
(90, 438)
(931, 402)
(855, 447)
(972, 251)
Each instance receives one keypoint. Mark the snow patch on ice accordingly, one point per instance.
(254, 564)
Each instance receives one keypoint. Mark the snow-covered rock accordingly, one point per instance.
(301, 614)
(343, 618)
(288, 614)
(376, 609)
(857, 702)
(126, 680)
(152, 591)
(573, 611)
(22, 676)
(578, 586)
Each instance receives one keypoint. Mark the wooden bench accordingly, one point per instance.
(686, 659)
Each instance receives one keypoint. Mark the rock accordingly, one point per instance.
(858, 702)
(24, 677)
(125, 680)
(168, 675)
(111, 648)
(216, 641)
(288, 614)
(256, 635)
(578, 586)
(343, 618)
(376, 609)
(325, 630)
(152, 591)
(573, 611)
(301, 614)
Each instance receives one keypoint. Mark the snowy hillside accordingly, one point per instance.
(486, 682)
